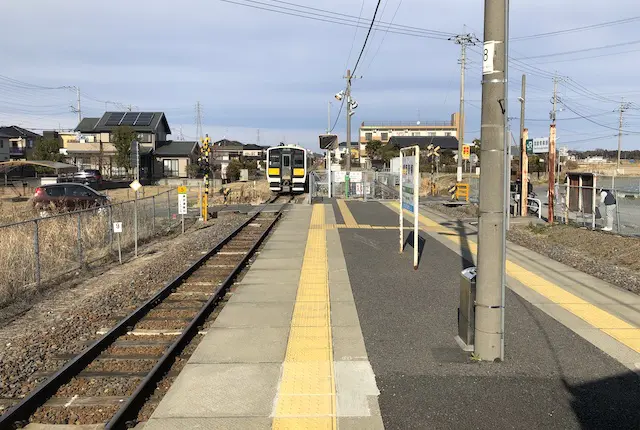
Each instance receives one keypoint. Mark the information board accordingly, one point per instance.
(182, 204)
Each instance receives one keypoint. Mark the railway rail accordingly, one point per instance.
(116, 376)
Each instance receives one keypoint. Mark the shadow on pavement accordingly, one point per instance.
(611, 403)
(409, 241)
(467, 256)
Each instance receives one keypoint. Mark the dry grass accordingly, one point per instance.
(60, 250)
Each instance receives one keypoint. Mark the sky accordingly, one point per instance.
(257, 72)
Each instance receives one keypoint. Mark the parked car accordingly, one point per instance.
(87, 177)
(67, 197)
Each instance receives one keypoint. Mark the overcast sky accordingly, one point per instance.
(255, 69)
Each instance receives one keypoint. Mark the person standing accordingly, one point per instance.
(609, 200)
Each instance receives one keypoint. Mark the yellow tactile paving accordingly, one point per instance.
(347, 216)
(303, 423)
(615, 327)
(306, 395)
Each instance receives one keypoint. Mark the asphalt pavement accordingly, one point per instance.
(551, 378)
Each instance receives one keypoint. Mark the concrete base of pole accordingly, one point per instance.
(487, 344)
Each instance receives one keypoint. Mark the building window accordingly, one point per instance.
(447, 133)
(144, 137)
(431, 133)
(1, 143)
(385, 136)
(170, 168)
(368, 137)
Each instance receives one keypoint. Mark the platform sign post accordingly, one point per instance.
(182, 204)
(409, 193)
(117, 229)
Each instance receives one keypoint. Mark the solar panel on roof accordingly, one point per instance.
(144, 119)
(129, 118)
(114, 118)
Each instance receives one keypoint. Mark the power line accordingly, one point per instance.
(577, 29)
(364, 45)
(588, 57)
(384, 36)
(443, 33)
(351, 22)
(339, 112)
(355, 34)
(576, 51)
(599, 124)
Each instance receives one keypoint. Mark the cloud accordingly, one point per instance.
(253, 69)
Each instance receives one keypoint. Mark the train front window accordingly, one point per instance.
(298, 159)
(274, 159)
(286, 161)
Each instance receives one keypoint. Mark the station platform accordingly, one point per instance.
(332, 328)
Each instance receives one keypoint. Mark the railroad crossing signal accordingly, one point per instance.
(205, 164)
(433, 152)
(466, 152)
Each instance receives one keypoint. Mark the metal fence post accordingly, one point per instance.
(615, 194)
(36, 249)
(80, 257)
(153, 212)
(169, 205)
(110, 221)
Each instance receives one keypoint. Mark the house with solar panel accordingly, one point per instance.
(159, 157)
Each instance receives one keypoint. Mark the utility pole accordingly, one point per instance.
(524, 158)
(79, 108)
(198, 122)
(348, 96)
(623, 107)
(489, 329)
(258, 137)
(463, 40)
(551, 165)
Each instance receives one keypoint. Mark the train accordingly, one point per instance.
(288, 169)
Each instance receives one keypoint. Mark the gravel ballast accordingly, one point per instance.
(66, 321)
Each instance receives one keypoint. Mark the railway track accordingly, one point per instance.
(121, 373)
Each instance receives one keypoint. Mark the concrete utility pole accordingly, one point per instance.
(551, 165)
(463, 40)
(491, 249)
(79, 108)
(524, 158)
(348, 101)
(623, 107)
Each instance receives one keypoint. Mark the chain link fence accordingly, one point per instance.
(42, 250)
(585, 208)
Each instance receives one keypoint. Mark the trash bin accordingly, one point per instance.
(466, 311)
